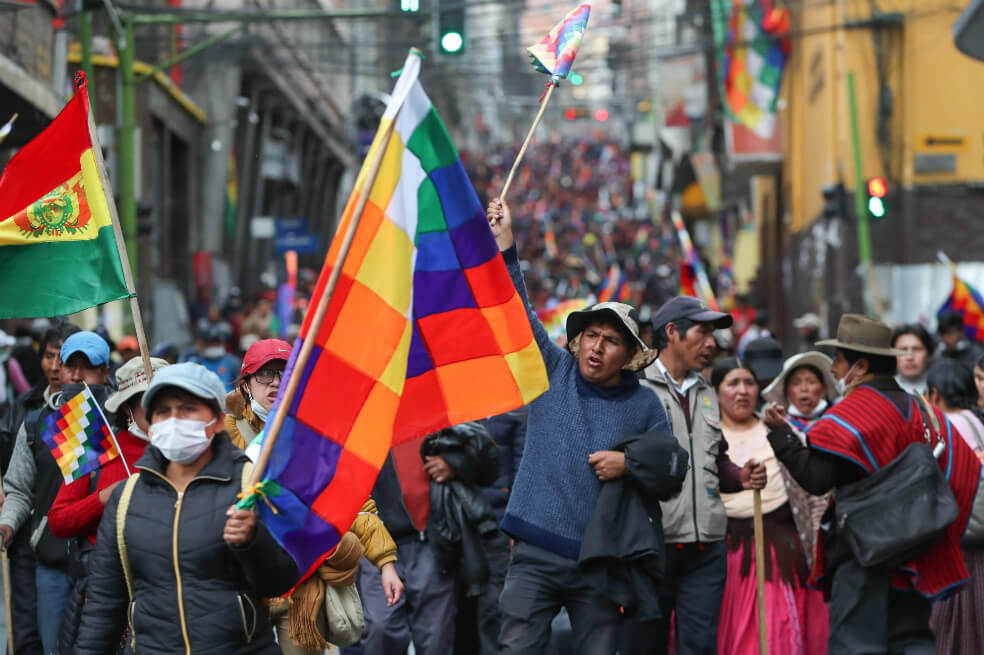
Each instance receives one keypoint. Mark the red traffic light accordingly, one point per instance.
(601, 115)
(877, 187)
(570, 114)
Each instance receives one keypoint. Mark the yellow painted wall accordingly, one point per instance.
(938, 92)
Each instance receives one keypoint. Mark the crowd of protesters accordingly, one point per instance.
(577, 215)
(613, 514)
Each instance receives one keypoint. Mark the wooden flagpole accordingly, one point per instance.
(760, 572)
(5, 565)
(138, 325)
(526, 143)
(322, 309)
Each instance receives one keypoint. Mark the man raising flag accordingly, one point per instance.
(575, 443)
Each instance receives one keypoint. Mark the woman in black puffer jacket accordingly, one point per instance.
(198, 569)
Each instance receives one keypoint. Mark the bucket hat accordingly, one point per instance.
(624, 315)
(863, 334)
(131, 379)
(776, 391)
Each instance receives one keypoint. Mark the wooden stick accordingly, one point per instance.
(138, 325)
(319, 315)
(526, 144)
(5, 565)
(760, 572)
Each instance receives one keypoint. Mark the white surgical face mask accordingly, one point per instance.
(842, 382)
(136, 430)
(180, 440)
(214, 352)
(259, 410)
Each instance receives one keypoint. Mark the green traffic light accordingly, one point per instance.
(876, 207)
(576, 79)
(452, 42)
(411, 6)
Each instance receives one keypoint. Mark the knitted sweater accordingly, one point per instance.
(556, 489)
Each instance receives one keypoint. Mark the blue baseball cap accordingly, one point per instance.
(191, 377)
(89, 344)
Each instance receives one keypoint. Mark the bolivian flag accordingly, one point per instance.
(58, 252)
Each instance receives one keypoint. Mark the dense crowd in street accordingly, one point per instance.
(615, 513)
(577, 216)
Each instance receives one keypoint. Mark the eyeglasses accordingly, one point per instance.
(267, 376)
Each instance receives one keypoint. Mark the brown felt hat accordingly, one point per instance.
(863, 334)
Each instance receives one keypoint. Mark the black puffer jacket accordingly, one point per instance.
(193, 593)
(461, 517)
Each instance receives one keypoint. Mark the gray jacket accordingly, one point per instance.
(697, 513)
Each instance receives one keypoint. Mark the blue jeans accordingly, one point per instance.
(54, 586)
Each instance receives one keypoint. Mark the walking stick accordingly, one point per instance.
(6, 601)
(5, 565)
(760, 571)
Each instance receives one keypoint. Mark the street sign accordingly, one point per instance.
(947, 142)
(942, 163)
(300, 243)
(292, 233)
(291, 224)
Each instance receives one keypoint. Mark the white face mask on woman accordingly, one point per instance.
(180, 440)
(136, 430)
(261, 412)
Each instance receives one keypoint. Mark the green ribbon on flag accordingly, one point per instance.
(250, 494)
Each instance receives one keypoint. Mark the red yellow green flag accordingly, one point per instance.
(58, 252)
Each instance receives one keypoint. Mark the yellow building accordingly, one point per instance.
(921, 127)
(929, 129)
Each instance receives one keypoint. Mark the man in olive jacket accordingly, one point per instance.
(694, 522)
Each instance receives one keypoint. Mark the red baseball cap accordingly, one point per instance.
(263, 351)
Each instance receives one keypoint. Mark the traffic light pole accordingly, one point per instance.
(128, 127)
(860, 208)
(85, 39)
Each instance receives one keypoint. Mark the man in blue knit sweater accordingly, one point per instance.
(594, 401)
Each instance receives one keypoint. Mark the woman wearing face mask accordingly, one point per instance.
(198, 568)
(956, 620)
(78, 507)
(797, 617)
(249, 408)
(806, 388)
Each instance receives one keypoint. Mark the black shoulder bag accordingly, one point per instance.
(899, 511)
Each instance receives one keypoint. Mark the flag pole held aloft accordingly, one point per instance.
(322, 309)
(554, 55)
(138, 325)
(383, 362)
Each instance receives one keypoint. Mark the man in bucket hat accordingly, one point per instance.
(875, 609)
(595, 401)
(694, 522)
